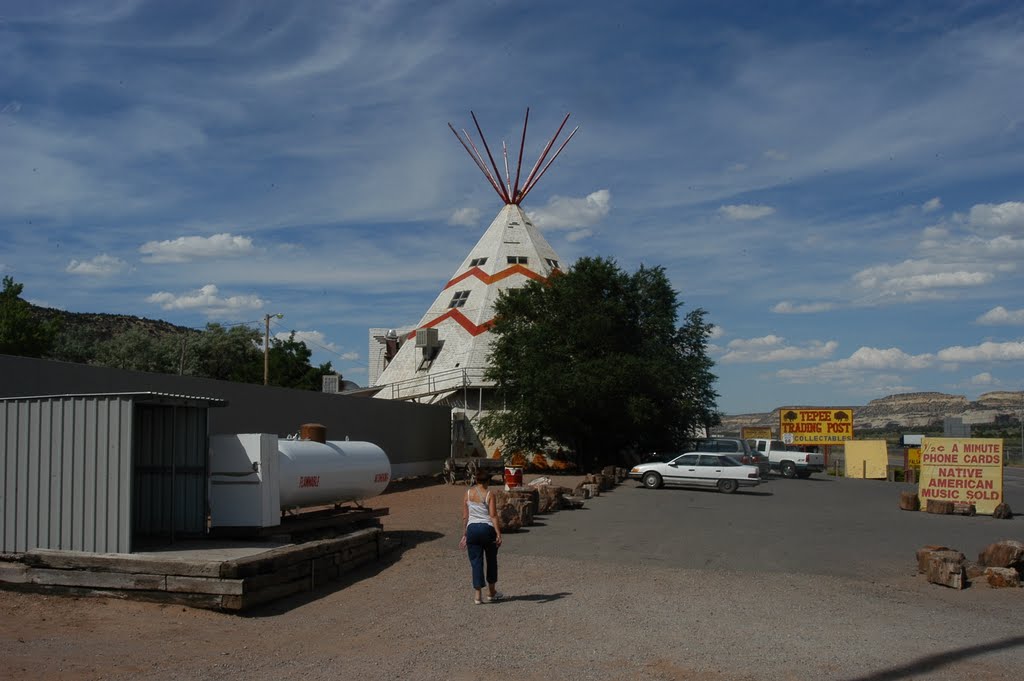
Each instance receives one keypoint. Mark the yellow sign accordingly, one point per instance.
(815, 426)
(960, 469)
(866, 459)
(914, 457)
(751, 432)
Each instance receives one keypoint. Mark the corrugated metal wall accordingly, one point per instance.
(170, 471)
(65, 474)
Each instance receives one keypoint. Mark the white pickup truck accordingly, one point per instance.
(787, 460)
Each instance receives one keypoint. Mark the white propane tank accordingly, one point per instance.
(315, 473)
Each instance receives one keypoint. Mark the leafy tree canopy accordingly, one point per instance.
(593, 359)
(20, 332)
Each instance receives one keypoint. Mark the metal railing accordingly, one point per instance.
(437, 383)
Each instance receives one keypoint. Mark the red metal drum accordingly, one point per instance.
(513, 477)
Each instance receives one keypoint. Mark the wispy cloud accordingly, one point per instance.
(746, 211)
(786, 307)
(1000, 315)
(773, 348)
(564, 212)
(1011, 351)
(102, 265)
(931, 205)
(1001, 217)
(188, 248)
(465, 217)
(208, 301)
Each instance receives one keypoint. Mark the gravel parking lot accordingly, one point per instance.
(795, 580)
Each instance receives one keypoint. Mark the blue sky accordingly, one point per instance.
(839, 183)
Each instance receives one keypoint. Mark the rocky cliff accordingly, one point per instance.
(908, 410)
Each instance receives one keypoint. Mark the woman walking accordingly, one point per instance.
(482, 537)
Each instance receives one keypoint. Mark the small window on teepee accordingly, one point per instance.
(459, 299)
(553, 264)
(476, 262)
(517, 260)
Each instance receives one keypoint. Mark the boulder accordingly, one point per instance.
(973, 570)
(924, 553)
(550, 498)
(609, 473)
(939, 507)
(946, 568)
(1003, 512)
(909, 501)
(530, 494)
(509, 518)
(1000, 578)
(963, 508)
(572, 502)
(1007, 553)
(592, 489)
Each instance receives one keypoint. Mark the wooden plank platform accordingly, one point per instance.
(195, 579)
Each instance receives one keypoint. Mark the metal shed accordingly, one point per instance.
(101, 472)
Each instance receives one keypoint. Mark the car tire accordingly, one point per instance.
(651, 480)
(727, 486)
(803, 475)
(788, 469)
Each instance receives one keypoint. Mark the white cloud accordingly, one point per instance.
(564, 212)
(745, 211)
(1011, 351)
(102, 265)
(1000, 315)
(465, 217)
(11, 107)
(316, 340)
(997, 217)
(775, 155)
(786, 307)
(931, 205)
(910, 278)
(773, 348)
(849, 368)
(188, 248)
(207, 300)
(984, 378)
(716, 331)
(579, 235)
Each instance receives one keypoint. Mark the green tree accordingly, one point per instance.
(20, 332)
(227, 353)
(289, 366)
(593, 360)
(139, 350)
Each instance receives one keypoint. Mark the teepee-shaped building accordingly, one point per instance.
(443, 358)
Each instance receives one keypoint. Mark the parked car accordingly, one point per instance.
(698, 470)
(735, 447)
(790, 461)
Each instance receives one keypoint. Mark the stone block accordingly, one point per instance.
(946, 568)
(924, 553)
(963, 508)
(939, 507)
(1008, 553)
(973, 570)
(909, 501)
(1003, 512)
(1000, 578)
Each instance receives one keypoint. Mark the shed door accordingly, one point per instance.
(169, 490)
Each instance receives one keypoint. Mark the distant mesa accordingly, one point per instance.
(905, 410)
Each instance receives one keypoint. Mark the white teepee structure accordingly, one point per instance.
(444, 357)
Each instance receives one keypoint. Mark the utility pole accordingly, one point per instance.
(266, 346)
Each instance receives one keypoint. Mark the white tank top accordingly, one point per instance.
(479, 512)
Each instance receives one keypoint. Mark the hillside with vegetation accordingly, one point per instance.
(231, 353)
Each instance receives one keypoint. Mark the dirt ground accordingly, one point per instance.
(411, 617)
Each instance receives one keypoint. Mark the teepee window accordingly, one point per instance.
(553, 264)
(476, 262)
(517, 260)
(459, 299)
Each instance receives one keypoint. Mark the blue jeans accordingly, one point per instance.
(479, 543)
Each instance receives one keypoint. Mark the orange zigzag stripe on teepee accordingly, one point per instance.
(463, 320)
(497, 276)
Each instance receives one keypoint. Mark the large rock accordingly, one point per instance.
(909, 501)
(550, 498)
(530, 494)
(1008, 553)
(1001, 577)
(940, 507)
(1003, 512)
(924, 553)
(946, 568)
(509, 518)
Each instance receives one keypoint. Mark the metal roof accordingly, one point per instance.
(148, 397)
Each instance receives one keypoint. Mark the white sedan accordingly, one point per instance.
(698, 470)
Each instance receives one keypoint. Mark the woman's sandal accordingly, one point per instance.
(498, 596)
